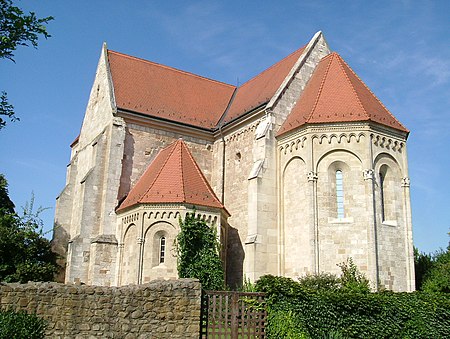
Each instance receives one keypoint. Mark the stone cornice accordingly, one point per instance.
(250, 119)
(382, 136)
(133, 214)
(251, 127)
(346, 126)
(247, 122)
(166, 125)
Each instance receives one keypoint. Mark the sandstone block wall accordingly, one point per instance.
(160, 309)
(142, 144)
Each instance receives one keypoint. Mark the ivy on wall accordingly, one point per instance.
(198, 253)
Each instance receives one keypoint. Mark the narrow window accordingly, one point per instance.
(383, 216)
(162, 249)
(339, 194)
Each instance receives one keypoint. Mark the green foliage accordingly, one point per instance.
(349, 314)
(6, 205)
(437, 278)
(320, 282)
(6, 109)
(432, 271)
(284, 324)
(17, 29)
(422, 265)
(352, 279)
(21, 325)
(198, 253)
(25, 255)
(247, 286)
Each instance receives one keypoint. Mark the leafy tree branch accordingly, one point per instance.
(17, 29)
(25, 255)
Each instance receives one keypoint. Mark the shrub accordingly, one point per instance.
(320, 282)
(21, 325)
(284, 324)
(352, 279)
(351, 314)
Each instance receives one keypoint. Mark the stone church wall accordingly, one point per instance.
(160, 309)
(239, 161)
(347, 236)
(142, 144)
(374, 230)
(91, 188)
(296, 217)
(393, 226)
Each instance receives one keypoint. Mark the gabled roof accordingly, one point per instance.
(160, 91)
(336, 94)
(164, 92)
(172, 177)
(260, 89)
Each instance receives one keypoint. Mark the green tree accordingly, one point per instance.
(198, 253)
(423, 262)
(17, 29)
(25, 255)
(5, 202)
(437, 278)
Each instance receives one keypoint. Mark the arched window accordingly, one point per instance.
(162, 249)
(382, 194)
(339, 194)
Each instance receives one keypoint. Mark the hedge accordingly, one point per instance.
(20, 325)
(346, 314)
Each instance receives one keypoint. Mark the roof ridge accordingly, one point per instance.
(181, 142)
(272, 66)
(350, 83)
(373, 94)
(162, 167)
(322, 83)
(170, 68)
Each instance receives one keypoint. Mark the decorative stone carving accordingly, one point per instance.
(312, 176)
(406, 182)
(368, 174)
(338, 137)
(387, 143)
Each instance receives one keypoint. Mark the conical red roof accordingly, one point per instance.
(172, 177)
(336, 94)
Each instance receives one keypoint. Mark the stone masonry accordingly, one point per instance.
(159, 309)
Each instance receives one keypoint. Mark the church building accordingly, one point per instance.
(297, 169)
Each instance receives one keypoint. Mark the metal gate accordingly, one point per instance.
(233, 315)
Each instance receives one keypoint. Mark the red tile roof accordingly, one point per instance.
(336, 94)
(164, 92)
(260, 89)
(160, 91)
(172, 177)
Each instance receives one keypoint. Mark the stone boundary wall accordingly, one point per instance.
(159, 309)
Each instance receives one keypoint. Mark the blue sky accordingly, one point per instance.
(400, 49)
